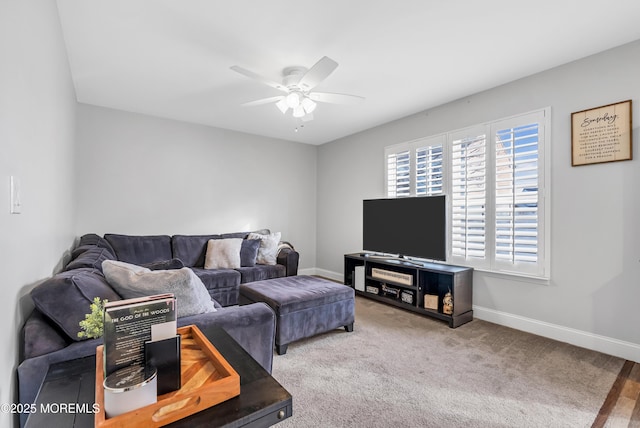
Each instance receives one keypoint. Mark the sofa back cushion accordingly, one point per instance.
(191, 249)
(89, 256)
(97, 240)
(66, 298)
(140, 250)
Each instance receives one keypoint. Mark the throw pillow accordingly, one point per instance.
(223, 253)
(136, 281)
(165, 264)
(66, 297)
(249, 252)
(268, 252)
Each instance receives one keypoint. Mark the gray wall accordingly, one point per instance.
(593, 295)
(138, 174)
(37, 113)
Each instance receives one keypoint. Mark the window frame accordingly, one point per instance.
(490, 263)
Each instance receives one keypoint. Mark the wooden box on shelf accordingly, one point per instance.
(431, 301)
(207, 379)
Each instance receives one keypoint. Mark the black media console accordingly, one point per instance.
(416, 286)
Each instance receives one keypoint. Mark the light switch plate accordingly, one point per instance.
(16, 205)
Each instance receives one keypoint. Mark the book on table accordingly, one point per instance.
(129, 324)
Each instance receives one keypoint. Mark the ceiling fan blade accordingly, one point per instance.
(263, 101)
(316, 74)
(328, 97)
(250, 74)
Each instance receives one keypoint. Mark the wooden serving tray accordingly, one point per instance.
(207, 379)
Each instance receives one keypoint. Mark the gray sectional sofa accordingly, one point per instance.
(50, 332)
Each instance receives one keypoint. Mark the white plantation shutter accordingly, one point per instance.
(519, 184)
(517, 194)
(429, 170)
(415, 168)
(468, 197)
(399, 174)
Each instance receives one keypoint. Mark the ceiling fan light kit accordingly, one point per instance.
(298, 83)
(282, 105)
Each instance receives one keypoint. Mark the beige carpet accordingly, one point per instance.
(399, 369)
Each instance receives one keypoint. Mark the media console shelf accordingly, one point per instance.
(405, 283)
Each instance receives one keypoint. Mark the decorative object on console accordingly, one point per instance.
(93, 323)
(406, 296)
(372, 289)
(431, 301)
(395, 292)
(164, 355)
(447, 303)
(390, 275)
(129, 389)
(129, 324)
(358, 278)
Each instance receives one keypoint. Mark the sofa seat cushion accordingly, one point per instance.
(133, 281)
(214, 278)
(260, 272)
(223, 285)
(296, 293)
(140, 250)
(66, 298)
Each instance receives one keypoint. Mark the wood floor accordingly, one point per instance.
(622, 406)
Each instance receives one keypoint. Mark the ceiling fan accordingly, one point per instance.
(297, 84)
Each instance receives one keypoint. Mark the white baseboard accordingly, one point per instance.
(584, 339)
(322, 272)
(607, 345)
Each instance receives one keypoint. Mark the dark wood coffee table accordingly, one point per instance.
(262, 401)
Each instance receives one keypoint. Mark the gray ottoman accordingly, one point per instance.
(304, 306)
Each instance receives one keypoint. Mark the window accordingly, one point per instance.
(494, 177)
(399, 174)
(415, 168)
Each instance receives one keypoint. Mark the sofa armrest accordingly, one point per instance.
(252, 326)
(289, 258)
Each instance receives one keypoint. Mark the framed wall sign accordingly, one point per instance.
(601, 134)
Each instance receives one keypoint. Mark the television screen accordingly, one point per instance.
(412, 227)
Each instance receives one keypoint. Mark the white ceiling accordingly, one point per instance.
(171, 58)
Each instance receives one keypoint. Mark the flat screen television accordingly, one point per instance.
(408, 227)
